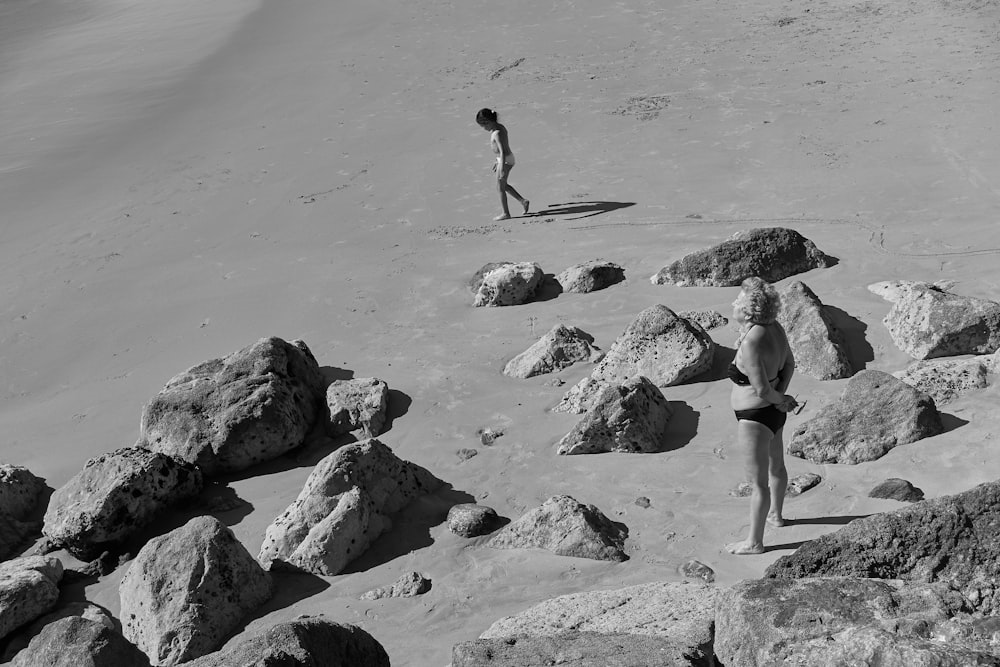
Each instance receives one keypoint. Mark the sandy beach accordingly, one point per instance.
(314, 171)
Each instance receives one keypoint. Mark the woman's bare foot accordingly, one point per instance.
(502, 216)
(777, 521)
(526, 204)
(744, 549)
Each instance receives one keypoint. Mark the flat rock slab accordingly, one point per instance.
(630, 417)
(560, 348)
(944, 380)
(818, 345)
(590, 276)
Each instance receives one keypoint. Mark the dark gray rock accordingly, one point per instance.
(875, 413)
(20, 492)
(897, 489)
(472, 520)
(358, 404)
(75, 641)
(507, 284)
(630, 417)
(560, 348)
(773, 253)
(590, 276)
(408, 585)
(817, 344)
(698, 570)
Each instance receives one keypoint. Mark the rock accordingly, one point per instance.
(802, 483)
(817, 344)
(630, 417)
(780, 622)
(358, 404)
(408, 585)
(308, 641)
(698, 570)
(773, 253)
(466, 453)
(228, 414)
(75, 641)
(643, 502)
(950, 539)
(927, 321)
(560, 348)
(20, 639)
(875, 413)
(20, 492)
(658, 345)
(706, 319)
(897, 489)
(472, 520)
(187, 590)
(947, 379)
(489, 435)
(590, 276)
(114, 496)
(29, 587)
(566, 528)
(508, 284)
(343, 507)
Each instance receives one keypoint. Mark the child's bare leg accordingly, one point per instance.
(502, 187)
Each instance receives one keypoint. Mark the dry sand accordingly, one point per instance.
(319, 176)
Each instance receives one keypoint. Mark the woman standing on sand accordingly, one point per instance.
(760, 373)
(488, 120)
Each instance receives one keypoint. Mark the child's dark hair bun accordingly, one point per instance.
(486, 116)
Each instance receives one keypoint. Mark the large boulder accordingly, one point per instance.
(357, 404)
(566, 528)
(343, 507)
(507, 283)
(844, 621)
(875, 413)
(75, 641)
(228, 414)
(115, 495)
(927, 321)
(19, 640)
(944, 380)
(658, 345)
(773, 253)
(308, 641)
(186, 591)
(951, 539)
(630, 417)
(561, 347)
(29, 587)
(817, 344)
(590, 276)
(20, 492)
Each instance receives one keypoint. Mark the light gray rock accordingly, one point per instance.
(560, 348)
(875, 413)
(187, 590)
(706, 319)
(658, 345)
(802, 483)
(75, 641)
(472, 520)
(944, 380)
(897, 489)
(566, 528)
(590, 276)
(698, 570)
(927, 321)
(307, 641)
(29, 588)
(630, 417)
(114, 496)
(817, 344)
(343, 507)
(20, 492)
(228, 414)
(873, 646)
(357, 404)
(408, 585)
(773, 253)
(508, 284)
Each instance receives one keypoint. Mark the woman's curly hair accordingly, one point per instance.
(758, 301)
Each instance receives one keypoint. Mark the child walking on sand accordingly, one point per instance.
(488, 120)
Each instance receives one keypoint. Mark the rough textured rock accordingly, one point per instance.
(20, 492)
(115, 495)
(927, 321)
(817, 344)
(812, 621)
(630, 417)
(658, 345)
(186, 591)
(566, 528)
(308, 641)
(944, 380)
(897, 489)
(950, 539)
(508, 284)
(407, 586)
(19, 639)
(590, 276)
(875, 413)
(773, 253)
(358, 404)
(29, 587)
(802, 483)
(560, 348)
(706, 319)
(472, 520)
(75, 641)
(698, 570)
(343, 507)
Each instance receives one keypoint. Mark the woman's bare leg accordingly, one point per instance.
(778, 480)
(754, 441)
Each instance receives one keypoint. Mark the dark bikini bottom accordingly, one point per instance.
(769, 416)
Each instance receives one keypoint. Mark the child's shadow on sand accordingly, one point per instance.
(584, 209)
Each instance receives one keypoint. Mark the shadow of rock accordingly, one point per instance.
(951, 422)
(842, 520)
(720, 363)
(399, 405)
(291, 587)
(859, 351)
(221, 501)
(583, 209)
(683, 426)
(783, 547)
(332, 374)
(315, 448)
(549, 289)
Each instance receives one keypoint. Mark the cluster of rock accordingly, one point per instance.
(515, 283)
